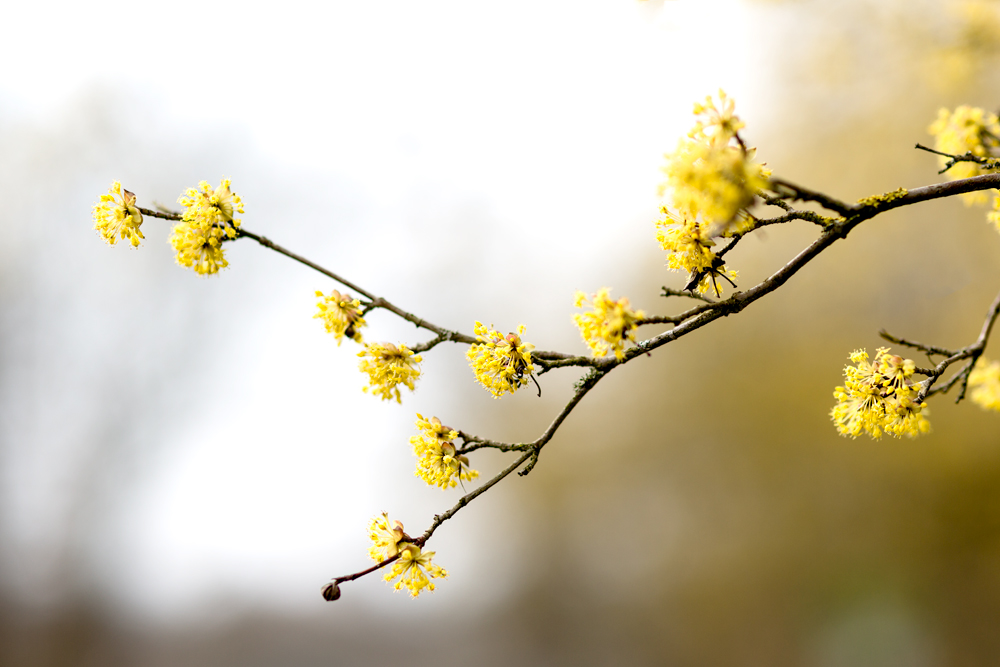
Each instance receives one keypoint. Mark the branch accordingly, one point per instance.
(686, 322)
(677, 319)
(700, 316)
(688, 293)
(472, 443)
(793, 214)
(376, 301)
(970, 352)
(947, 189)
(786, 190)
(955, 159)
(166, 215)
(927, 349)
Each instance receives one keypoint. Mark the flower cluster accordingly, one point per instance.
(437, 462)
(341, 315)
(501, 363)
(984, 384)
(413, 566)
(966, 130)
(385, 537)
(388, 366)
(711, 175)
(712, 181)
(606, 328)
(689, 249)
(116, 216)
(208, 220)
(877, 397)
(716, 126)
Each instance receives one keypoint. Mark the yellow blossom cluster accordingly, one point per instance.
(437, 462)
(966, 130)
(984, 384)
(385, 537)
(116, 216)
(714, 182)
(716, 126)
(606, 328)
(341, 315)
(689, 249)
(501, 363)
(877, 397)
(388, 366)
(413, 566)
(711, 180)
(208, 220)
(711, 176)
(415, 570)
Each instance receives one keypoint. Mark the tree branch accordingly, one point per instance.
(376, 301)
(685, 323)
(970, 352)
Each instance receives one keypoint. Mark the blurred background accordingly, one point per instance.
(184, 461)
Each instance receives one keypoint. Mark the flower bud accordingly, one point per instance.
(331, 591)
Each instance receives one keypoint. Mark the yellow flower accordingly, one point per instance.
(385, 537)
(440, 466)
(501, 364)
(116, 216)
(689, 249)
(388, 366)
(437, 462)
(717, 126)
(431, 432)
(714, 182)
(711, 176)
(413, 567)
(212, 207)
(340, 315)
(878, 397)
(966, 130)
(207, 222)
(606, 328)
(984, 383)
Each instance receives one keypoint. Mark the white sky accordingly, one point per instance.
(518, 106)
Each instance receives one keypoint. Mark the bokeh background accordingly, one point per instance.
(185, 461)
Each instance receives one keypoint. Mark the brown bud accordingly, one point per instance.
(331, 591)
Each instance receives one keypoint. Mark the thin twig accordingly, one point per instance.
(376, 566)
(472, 443)
(928, 349)
(165, 215)
(469, 497)
(809, 216)
(774, 200)
(787, 190)
(970, 352)
(375, 301)
(686, 293)
(953, 159)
